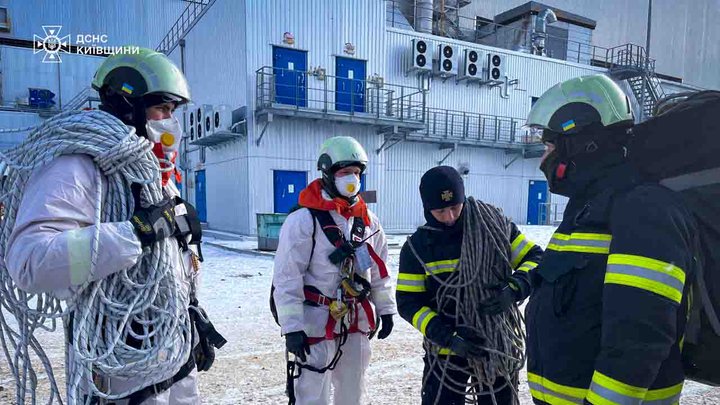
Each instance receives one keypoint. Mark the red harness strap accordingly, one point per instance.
(380, 263)
(352, 304)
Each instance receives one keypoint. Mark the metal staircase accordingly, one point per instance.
(630, 62)
(189, 17)
(85, 96)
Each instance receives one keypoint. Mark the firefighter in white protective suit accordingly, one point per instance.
(49, 248)
(331, 287)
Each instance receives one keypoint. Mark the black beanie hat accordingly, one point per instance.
(441, 187)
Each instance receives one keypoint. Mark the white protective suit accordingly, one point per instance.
(49, 248)
(292, 273)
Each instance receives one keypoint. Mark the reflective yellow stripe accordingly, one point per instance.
(408, 282)
(518, 249)
(605, 390)
(551, 399)
(664, 396)
(422, 317)
(446, 352)
(644, 284)
(527, 266)
(581, 242)
(442, 266)
(648, 263)
(554, 393)
(648, 274)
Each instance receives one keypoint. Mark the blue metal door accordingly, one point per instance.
(200, 196)
(349, 84)
(537, 199)
(289, 66)
(286, 187)
(363, 178)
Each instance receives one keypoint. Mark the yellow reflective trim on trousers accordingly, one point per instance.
(422, 317)
(527, 266)
(442, 266)
(644, 284)
(664, 393)
(79, 249)
(551, 399)
(605, 390)
(648, 263)
(408, 282)
(573, 393)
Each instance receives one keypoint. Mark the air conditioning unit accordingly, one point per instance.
(208, 112)
(471, 65)
(446, 60)
(222, 118)
(197, 112)
(421, 55)
(190, 129)
(495, 70)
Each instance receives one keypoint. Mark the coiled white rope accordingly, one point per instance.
(131, 325)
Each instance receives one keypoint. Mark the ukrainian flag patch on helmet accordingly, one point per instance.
(568, 125)
(127, 88)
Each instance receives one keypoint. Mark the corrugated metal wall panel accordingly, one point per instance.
(21, 70)
(488, 180)
(215, 56)
(137, 22)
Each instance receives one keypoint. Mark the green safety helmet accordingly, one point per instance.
(336, 153)
(136, 75)
(576, 104)
(339, 152)
(586, 119)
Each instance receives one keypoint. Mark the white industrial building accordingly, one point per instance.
(271, 79)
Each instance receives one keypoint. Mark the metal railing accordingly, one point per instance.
(86, 95)
(495, 35)
(315, 91)
(551, 213)
(187, 20)
(469, 127)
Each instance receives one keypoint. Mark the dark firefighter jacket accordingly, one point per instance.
(606, 319)
(439, 248)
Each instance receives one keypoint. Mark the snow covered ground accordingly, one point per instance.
(250, 369)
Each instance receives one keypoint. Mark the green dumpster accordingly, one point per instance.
(268, 230)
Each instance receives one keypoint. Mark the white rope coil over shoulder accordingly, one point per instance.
(133, 324)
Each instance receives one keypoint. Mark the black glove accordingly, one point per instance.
(506, 294)
(154, 223)
(467, 344)
(210, 338)
(297, 344)
(204, 355)
(386, 326)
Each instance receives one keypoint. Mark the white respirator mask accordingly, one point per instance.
(167, 132)
(348, 185)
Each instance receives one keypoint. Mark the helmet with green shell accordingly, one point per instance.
(135, 75)
(586, 121)
(128, 83)
(576, 104)
(336, 153)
